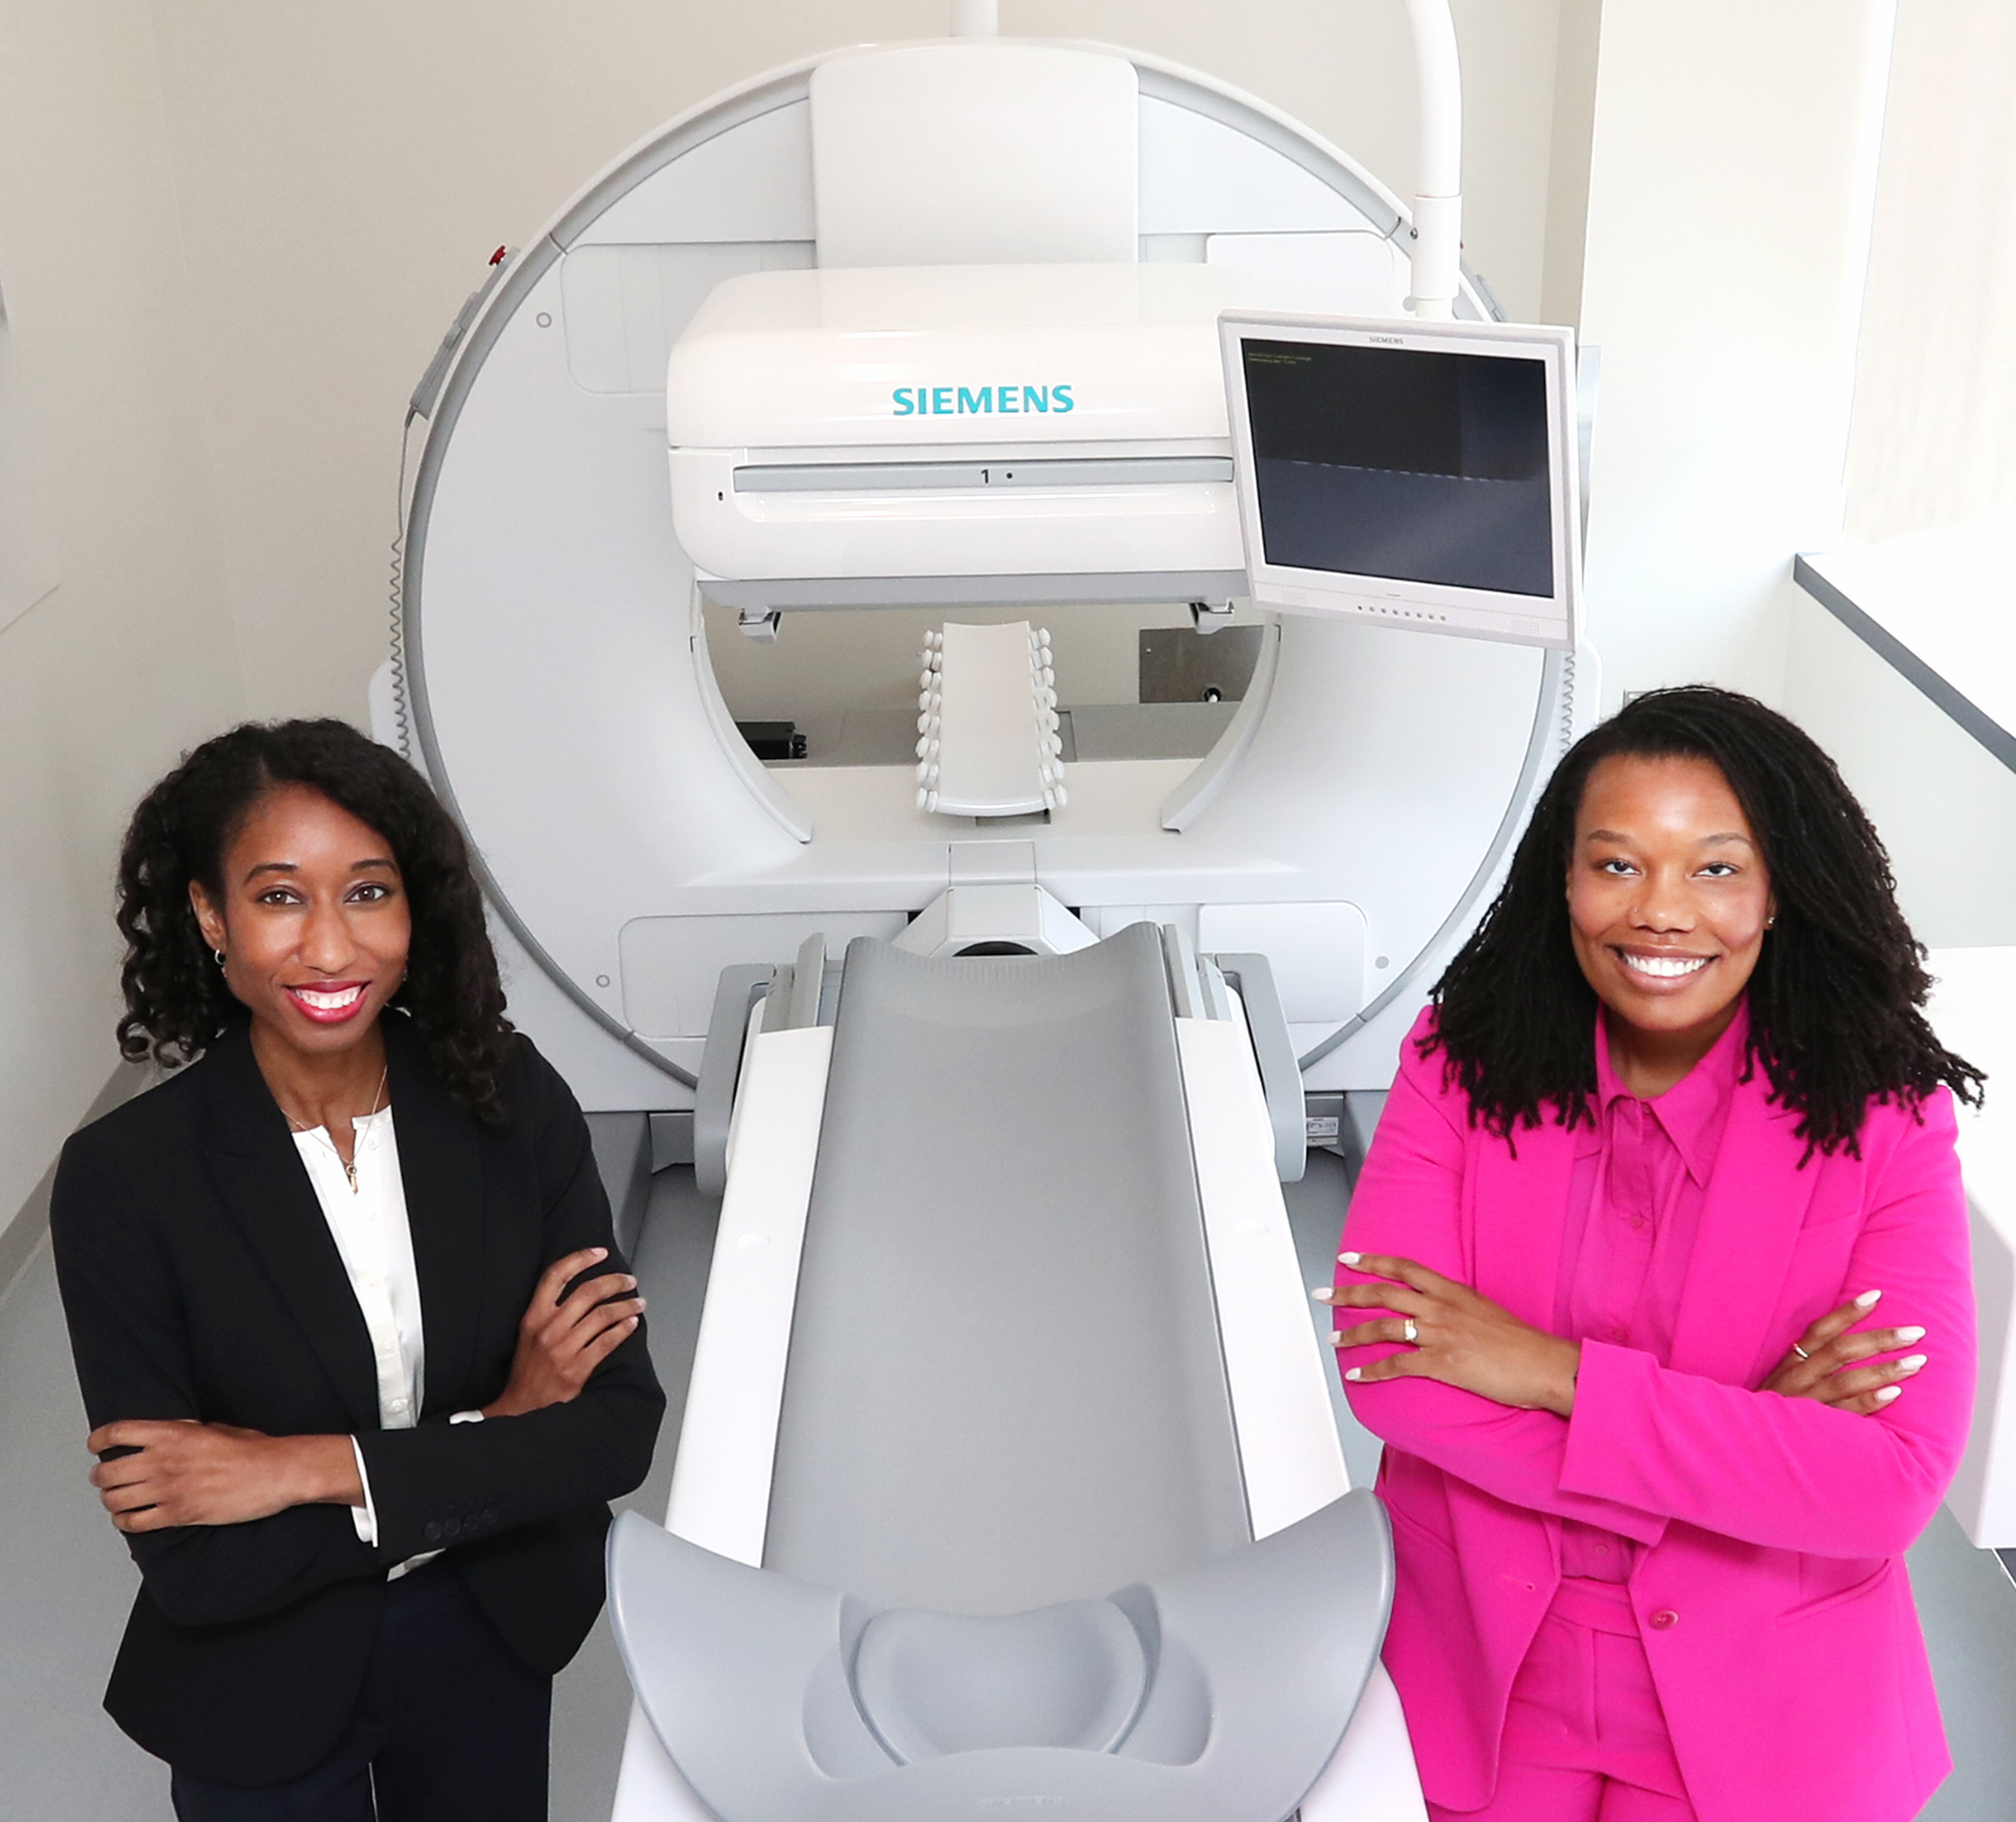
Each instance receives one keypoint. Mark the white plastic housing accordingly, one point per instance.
(795, 399)
(988, 740)
(1437, 223)
(939, 154)
(566, 706)
(1027, 915)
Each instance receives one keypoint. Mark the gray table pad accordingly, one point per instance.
(1005, 1387)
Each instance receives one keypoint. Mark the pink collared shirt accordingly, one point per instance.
(1634, 1208)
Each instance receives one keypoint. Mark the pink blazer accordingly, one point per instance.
(1772, 1594)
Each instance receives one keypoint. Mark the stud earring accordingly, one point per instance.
(1770, 922)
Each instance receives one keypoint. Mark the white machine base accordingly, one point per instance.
(1290, 1458)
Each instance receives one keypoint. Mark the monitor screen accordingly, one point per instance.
(1418, 472)
(1393, 461)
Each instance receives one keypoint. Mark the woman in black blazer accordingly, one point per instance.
(361, 1452)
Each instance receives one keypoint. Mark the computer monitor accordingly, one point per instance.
(1417, 474)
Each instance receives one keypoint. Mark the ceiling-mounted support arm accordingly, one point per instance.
(1437, 208)
(976, 19)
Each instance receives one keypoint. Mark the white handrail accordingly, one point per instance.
(1438, 236)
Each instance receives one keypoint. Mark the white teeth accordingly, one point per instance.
(333, 1002)
(1667, 967)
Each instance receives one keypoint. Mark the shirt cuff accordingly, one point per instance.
(364, 1517)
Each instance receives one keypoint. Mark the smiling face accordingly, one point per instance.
(1668, 901)
(313, 920)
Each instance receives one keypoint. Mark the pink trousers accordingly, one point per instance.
(1585, 1737)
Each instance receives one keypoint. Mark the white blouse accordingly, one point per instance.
(369, 1226)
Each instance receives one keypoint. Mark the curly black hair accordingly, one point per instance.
(1835, 1002)
(177, 1002)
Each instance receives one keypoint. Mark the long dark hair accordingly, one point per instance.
(176, 1003)
(1835, 1000)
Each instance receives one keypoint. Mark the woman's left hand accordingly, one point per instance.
(1458, 1337)
(182, 1472)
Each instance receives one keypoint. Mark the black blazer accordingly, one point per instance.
(200, 1280)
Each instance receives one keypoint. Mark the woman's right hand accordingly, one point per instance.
(561, 1341)
(1830, 1375)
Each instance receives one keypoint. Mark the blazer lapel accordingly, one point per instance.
(1751, 1214)
(1518, 1218)
(261, 1178)
(440, 1167)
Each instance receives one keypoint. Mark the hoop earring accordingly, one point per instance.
(219, 954)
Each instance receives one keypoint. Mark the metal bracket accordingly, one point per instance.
(428, 392)
(721, 1071)
(1252, 979)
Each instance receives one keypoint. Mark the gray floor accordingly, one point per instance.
(65, 1581)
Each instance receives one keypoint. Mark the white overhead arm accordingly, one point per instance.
(1437, 245)
(976, 19)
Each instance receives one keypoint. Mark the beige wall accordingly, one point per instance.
(345, 171)
(115, 646)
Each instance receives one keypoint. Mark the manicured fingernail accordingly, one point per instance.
(1353, 1373)
(1349, 1258)
(1889, 1392)
(641, 1304)
(1321, 1293)
(1866, 1300)
(1911, 1363)
(1906, 1336)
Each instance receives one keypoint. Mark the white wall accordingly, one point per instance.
(1688, 183)
(116, 647)
(1945, 805)
(1934, 439)
(1732, 182)
(232, 230)
(1731, 176)
(345, 171)
(1345, 68)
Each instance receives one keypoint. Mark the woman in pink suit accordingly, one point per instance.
(1655, 1283)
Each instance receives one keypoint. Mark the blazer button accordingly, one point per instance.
(431, 1531)
(1665, 1617)
(452, 1527)
(490, 1514)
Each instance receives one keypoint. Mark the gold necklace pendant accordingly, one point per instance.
(328, 1138)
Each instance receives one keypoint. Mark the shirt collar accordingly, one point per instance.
(1694, 1111)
